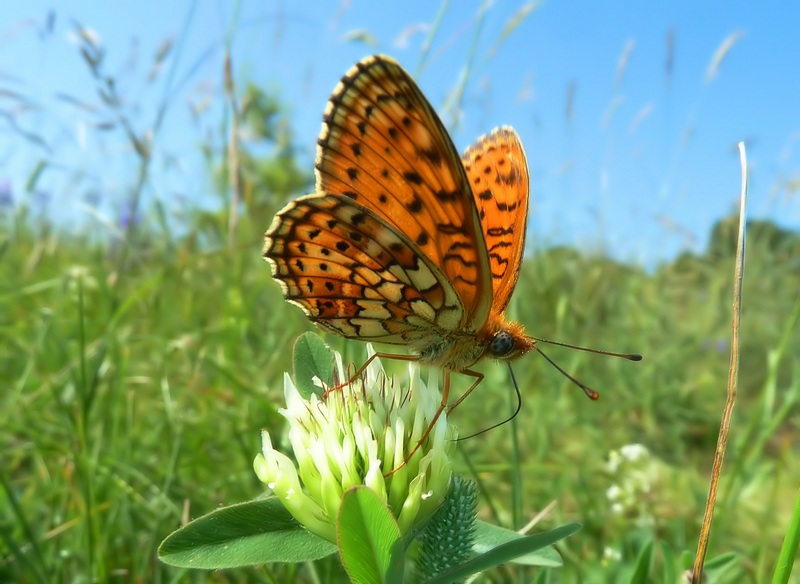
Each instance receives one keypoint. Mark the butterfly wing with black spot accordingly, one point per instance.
(498, 174)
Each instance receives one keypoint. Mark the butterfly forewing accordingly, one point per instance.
(383, 146)
(497, 170)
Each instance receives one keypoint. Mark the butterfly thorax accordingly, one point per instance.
(496, 340)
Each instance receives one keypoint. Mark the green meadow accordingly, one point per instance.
(137, 376)
(140, 360)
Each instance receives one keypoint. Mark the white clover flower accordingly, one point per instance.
(635, 472)
(613, 492)
(611, 555)
(357, 435)
(79, 276)
(634, 452)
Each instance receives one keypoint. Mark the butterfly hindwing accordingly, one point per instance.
(498, 174)
(356, 276)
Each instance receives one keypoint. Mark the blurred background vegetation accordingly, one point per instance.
(143, 352)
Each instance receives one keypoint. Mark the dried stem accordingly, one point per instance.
(733, 376)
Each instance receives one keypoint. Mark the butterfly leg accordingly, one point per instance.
(442, 406)
(439, 410)
(478, 379)
(366, 364)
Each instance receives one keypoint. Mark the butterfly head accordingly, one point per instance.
(509, 342)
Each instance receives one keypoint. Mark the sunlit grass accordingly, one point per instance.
(135, 399)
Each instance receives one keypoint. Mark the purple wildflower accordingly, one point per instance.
(128, 217)
(6, 194)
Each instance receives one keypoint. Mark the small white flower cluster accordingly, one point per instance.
(635, 473)
(611, 556)
(76, 276)
(357, 435)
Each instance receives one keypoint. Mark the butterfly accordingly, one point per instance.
(404, 242)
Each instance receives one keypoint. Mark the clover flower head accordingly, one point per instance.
(357, 434)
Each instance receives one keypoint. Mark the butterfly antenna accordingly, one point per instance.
(590, 393)
(628, 356)
(508, 419)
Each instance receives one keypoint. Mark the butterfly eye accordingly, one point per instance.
(501, 345)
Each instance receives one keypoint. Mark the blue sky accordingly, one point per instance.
(642, 167)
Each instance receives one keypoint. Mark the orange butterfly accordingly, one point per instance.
(404, 242)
